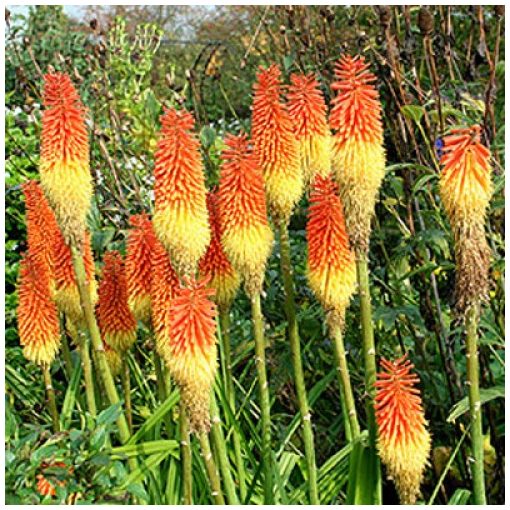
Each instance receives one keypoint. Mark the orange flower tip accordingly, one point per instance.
(307, 110)
(465, 181)
(38, 322)
(140, 241)
(190, 352)
(164, 282)
(275, 145)
(214, 264)
(245, 232)
(404, 442)
(116, 321)
(64, 163)
(331, 264)
(180, 218)
(42, 226)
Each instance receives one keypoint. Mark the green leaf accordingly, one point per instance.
(156, 417)
(109, 415)
(460, 497)
(486, 395)
(70, 397)
(147, 448)
(413, 112)
(365, 474)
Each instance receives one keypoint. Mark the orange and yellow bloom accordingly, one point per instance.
(307, 109)
(465, 188)
(190, 352)
(245, 232)
(38, 324)
(164, 282)
(64, 164)
(275, 145)
(331, 264)
(215, 265)
(404, 442)
(42, 227)
(138, 267)
(115, 320)
(180, 219)
(358, 154)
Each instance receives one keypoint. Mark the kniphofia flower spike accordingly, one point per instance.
(64, 164)
(307, 109)
(138, 266)
(358, 153)
(190, 352)
(465, 188)
(164, 282)
(275, 145)
(115, 320)
(331, 264)
(215, 265)
(38, 323)
(180, 219)
(245, 232)
(404, 442)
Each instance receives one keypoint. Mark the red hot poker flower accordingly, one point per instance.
(307, 109)
(138, 266)
(214, 264)
(64, 165)
(115, 320)
(404, 442)
(191, 350)
(38, 323)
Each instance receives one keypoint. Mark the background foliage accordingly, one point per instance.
(128, 62)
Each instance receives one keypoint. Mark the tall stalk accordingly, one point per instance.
(265, 403)
(162, 390)
(475, 404)
(367, 330)
(299, 378)
(221, 450)
(185, 438)
(126, 387)
(345, 382)
(50, 392)
(231, 397)
(87, 372)
(97, 345)
(212, 471)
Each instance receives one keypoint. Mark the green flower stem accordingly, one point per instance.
(231, 397)
(97, 345)
(265, 402)
(212, 471)
(162, 390)
(87, 372)
(50, 392)
(299, 378)
(475, 404)
(367, 330)
(126, 386)
(221, 450)
(185, 438)
(345, 382)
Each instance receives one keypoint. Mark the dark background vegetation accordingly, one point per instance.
(436, 68)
